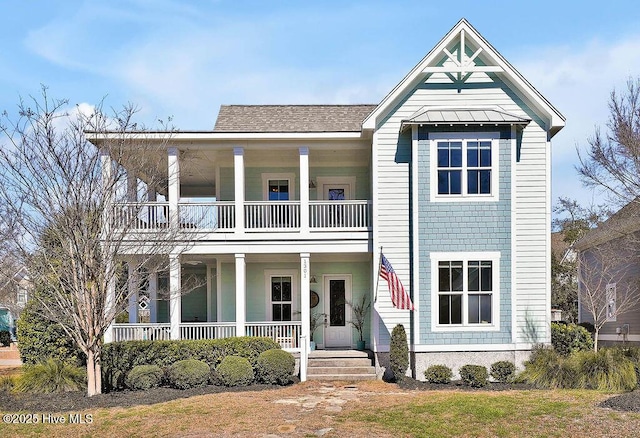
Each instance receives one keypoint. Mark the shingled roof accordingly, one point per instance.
(292, 118)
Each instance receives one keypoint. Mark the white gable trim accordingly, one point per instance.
(555, 119)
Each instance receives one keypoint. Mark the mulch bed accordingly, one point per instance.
(76, 401)
(413, 384)
(628, 402)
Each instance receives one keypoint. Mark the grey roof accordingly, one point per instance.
(292, 118)
(622, 223)
(463, 116)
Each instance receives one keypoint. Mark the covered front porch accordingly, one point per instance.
(270, 295)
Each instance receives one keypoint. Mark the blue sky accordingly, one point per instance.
(185, 59)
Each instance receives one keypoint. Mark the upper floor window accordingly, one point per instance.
(278, 186)
(464, 167)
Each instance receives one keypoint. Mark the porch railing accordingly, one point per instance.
(287, 334)
(354, 215)
(207, 216)
(141, 332)
(141, 215)
(207, 330)
(272, 215)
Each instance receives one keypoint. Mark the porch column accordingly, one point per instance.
(106, 166)
(132, 187)
(304, 189)
(305, 311)
(209, 290)
(153, 297)
(240, 295)
(174, 185)
(152, 193)
(175, 298)
(133, 283)
(238, 179)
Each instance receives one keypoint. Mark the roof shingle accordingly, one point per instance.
(292, 118)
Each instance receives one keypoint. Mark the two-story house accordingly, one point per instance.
(448, 176)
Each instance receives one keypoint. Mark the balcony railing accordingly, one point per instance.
(272, 215)
(354, 215)
(141, 215)
(258, 216)
(208, 216)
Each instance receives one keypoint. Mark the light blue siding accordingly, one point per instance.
(464, 227)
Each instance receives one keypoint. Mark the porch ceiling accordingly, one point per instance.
(278, 258)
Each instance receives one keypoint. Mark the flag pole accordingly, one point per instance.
(375, 299)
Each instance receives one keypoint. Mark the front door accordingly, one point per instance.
(336, 192)
(337, 292)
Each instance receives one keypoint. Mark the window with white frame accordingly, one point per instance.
(465, 288)
(611, 295)
(278, 186)
(281, 298)
(22, 296)
(464, 166)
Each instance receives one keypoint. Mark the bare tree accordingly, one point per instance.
(608, 283)
(62, 206)
(612, 159)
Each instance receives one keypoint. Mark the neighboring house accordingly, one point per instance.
(449, 175)
(610, 262)
(14, 294)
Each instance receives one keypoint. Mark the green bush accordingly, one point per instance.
(118, 358)
(438, 374)
(587, 325)
(546, 368)
(399, 353)
(275, 367)
(235, 371)
(605, 370)
(503, 371)
(188, 373)
(474, 375)
(142, 377)
(7, 383)
(633, 354)
(570, 338)
(40, 339)
(51, 376)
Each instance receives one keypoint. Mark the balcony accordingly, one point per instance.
(264, 216)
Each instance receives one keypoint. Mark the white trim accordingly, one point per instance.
(512, 189)
(290, 177)
(547, 218)
(295, 304)
(190, 136)
(321, 181)
(471, 347)
(219, 290)
(494, 257)
(493, 137)
(415, 218)
(209, 290)
(375, 316)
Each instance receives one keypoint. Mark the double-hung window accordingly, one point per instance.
(465, 288)
(464, 166)
(281, 298)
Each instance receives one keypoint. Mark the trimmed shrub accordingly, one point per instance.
(188, 373)
(52, 376)
(570, 338)
(503, 371)
(118, 358)
(5, 338)
(235, 371)
(142, 377)
(438, 374)
(40, 339)
(399, 353)
(474, 375)
(606, 370)
(275, 367)
(587, 325)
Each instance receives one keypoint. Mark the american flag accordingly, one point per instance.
(399, 296)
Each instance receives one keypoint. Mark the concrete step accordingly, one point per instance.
(341, 370)
(344, 377)
(339, 362)
(332, 354)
